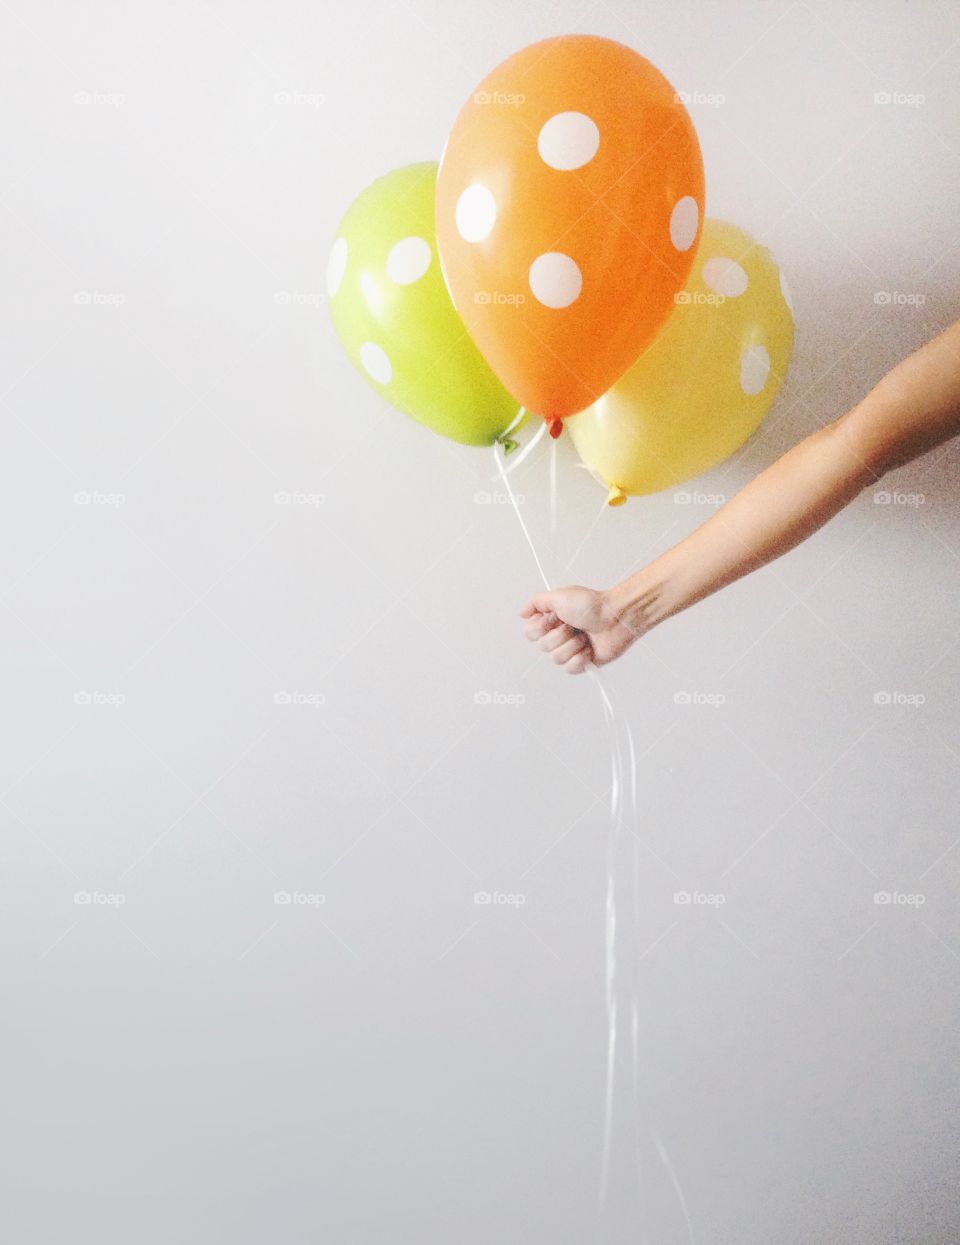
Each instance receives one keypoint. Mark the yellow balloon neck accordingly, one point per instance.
(616, 496)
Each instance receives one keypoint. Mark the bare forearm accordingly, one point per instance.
(913, 409)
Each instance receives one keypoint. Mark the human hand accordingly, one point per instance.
(578, 626)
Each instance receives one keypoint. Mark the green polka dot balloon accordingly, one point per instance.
(393, 313)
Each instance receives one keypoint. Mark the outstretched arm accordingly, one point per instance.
(913, 409)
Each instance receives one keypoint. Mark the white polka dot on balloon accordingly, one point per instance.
(408, 260)
(684, 221)
(375, 362)
(754, 369)
(785, 291)
(555, 279)
(725, 276)
(372, 291)
(336, 265)
(568, 140)
(476, 213)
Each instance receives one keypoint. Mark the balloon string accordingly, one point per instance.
(674, 1180)
(516, 509)
(528, 448)
(616, 823)
(616, 788)
(616, 795)
(553, 487)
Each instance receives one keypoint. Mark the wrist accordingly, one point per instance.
(639, 602)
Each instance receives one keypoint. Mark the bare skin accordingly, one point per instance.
(913, 409)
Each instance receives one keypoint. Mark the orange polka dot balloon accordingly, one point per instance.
(569, 207)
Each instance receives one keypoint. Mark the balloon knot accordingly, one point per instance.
(508, 445)
(616, 496)
(555, 427)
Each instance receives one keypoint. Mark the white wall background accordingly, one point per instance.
(399, 1065)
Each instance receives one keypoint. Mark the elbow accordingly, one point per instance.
(869, 454)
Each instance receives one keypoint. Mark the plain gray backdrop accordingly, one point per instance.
(212, 696)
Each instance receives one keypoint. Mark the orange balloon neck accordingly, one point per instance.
(554, 426)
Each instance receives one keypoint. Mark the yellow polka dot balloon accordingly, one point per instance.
(707, 381)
